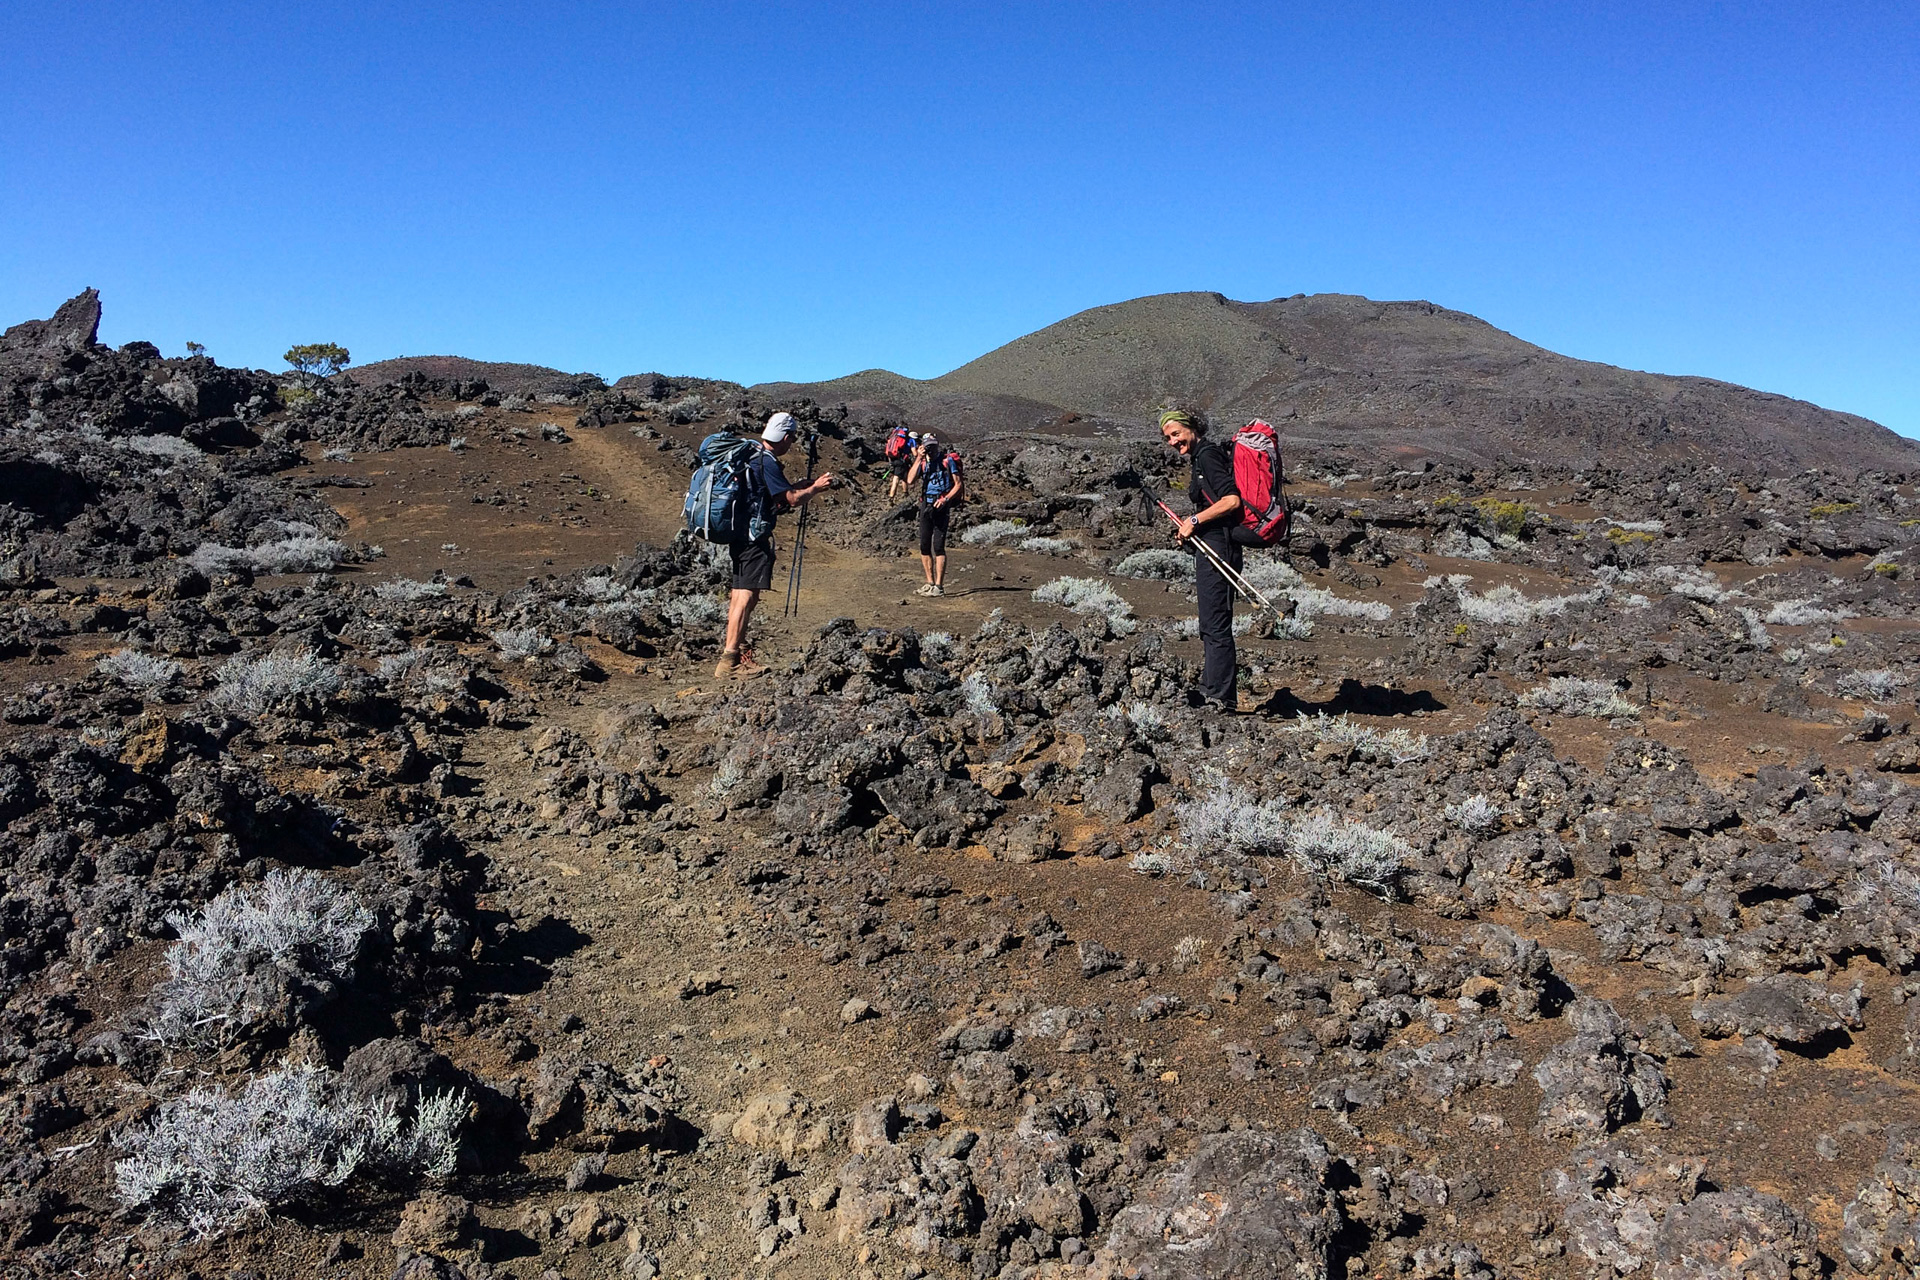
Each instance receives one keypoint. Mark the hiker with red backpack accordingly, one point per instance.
(943, 480)
(1225, 521)
(902, 445)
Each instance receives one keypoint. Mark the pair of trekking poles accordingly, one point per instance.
(1234, 577)
(794, 562)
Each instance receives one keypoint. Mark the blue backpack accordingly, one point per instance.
(726, 502)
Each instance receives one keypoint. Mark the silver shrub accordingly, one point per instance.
(165, 448)
(253, 686)
(301, 553)
(1475, 814)
(143, 673)
(517, 644)
(976, 695)
(1225, 821)
(1046, 546)
(1384, 746)
(1353, 852)
(1147, 720)
(992, 531)
(409, 589)
(397, 667)
(1312, 602)
(209, 1161)
(1880, 685)
(1805, 613)
(232, 962)
(694, 613)
(1089, 595)
(1571, 696)
(1508, 606)
(1159, 563)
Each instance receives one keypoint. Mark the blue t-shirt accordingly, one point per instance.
(774, 479)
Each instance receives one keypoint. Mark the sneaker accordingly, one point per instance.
(936, 590)
(745, 668)
(729, 660)
(926, 589)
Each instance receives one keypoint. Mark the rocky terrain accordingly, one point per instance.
(390, 890)
(1384, 381)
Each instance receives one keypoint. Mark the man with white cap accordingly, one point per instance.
(753, 561)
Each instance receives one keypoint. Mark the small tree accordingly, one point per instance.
(317, 359)
(195, 349)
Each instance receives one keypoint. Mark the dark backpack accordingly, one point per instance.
(726, 501)
(897, 443)
(940, 475)
(1257, 473)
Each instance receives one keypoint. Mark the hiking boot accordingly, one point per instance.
(729, 661)
(745, 668)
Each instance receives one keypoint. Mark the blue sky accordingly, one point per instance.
(766, 191)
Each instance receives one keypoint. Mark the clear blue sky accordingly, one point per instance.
(767, 191)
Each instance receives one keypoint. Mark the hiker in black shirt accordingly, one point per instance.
(1216, 505)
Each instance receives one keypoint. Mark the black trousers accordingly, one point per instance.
(1219, 674)
(933, 529)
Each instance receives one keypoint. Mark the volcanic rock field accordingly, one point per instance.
(390, 889)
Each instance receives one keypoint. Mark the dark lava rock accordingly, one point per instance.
(1785, 1008)
(1244, 1205)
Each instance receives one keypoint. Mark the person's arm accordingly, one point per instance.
(919, 462)
(1221, 482)
(953, 493)
(797, 498)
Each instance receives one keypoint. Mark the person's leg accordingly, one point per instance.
(739, 609)
(939, 540)
(1217, 676)
(926, 549)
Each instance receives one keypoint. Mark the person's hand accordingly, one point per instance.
(824, 482)
(1186, 529)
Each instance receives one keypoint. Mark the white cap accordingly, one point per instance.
(779, 427)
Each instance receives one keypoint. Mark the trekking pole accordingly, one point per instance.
(1227, 571)
(792, 608)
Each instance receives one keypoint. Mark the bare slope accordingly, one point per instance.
(509, 378)
(1390, 378)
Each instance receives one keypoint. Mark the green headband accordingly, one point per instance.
(1180, 416)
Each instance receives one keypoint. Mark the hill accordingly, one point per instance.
(510, 378)
(1405, 379)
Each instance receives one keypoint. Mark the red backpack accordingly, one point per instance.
(1258, 475)
(897, 443)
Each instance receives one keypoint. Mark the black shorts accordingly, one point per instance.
(900, 466)
(752, 564)
(933, 529)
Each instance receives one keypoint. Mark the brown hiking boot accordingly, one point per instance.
(729, 662)
(745, 668)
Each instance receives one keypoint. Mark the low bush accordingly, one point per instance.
(1158, 564)
(1089, 595)
(1502, 515)
(1871, 686)
(992, 531)
(694, 613)
(253, 686)
(165, 448)
(517, 644)
(1046, 546)
(301, 553)
(1313, 602)
(398, 666)
(976, 695)
(409, 589)
(1805, 613)
(1228, 822)
(1475, 814)
(237, 962)
(143, 673)
(1348, 851)
(209, 1161)
(1147, 720)
(1508, 606)
(1383, 746)
(1571, 696)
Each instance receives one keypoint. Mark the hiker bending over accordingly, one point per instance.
(938, 468)
(1216, 503)
(902, 444)
(753, 560)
